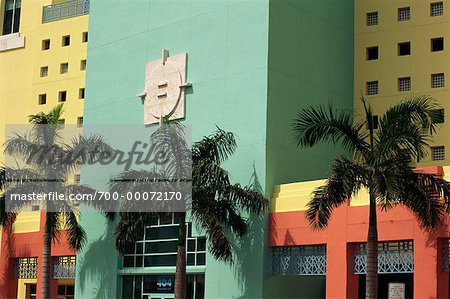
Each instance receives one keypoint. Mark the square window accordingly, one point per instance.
(438, 116)
(64, 68)
(62, 96)
(80, 121)
(42, 99)
(372, 18)
(404, 84)
(372, 53)
(45, 44)
(437, 44)
(66, 40)
(437, 80)
(83, 65)
(404, 14)
(437, 153)
(44, 71)
(404, 49)
(436, 9)
(61, 121)
(81, 93)
(372, 88)
(84, 37)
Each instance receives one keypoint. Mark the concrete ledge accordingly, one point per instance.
(11, 41)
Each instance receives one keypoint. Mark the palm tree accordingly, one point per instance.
(43, 176)
(381, 163)
(217, 204)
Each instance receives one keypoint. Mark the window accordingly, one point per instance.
(404, 14)
(436, 9)
(404, 49)
(437, 153)
(437, 44)
(11, 18)
(80, 121)
(35, 208)
(375, 122)
(437, 80)
(31, 291)
(77, 179)
(81, 93)
(42, 99)
(62, 96)
(44, 71)
(61, 121)
(84, 37)
(438, 116)
(64, 68)
(372, 53)
(66, 40)
(45, 44)
(66, 292)
(372, 18)
(83, 65)
(372, 88)
(404, 84)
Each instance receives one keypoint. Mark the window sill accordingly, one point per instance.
(11, 41)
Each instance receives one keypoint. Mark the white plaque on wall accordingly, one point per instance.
(396, 291)
(165, 84)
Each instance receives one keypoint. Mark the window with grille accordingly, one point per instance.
(26, 267)
(437, 44)
(62, 96)
(64, 68)
(437, 9)
(83, 65)
(299, 260)
(45, 44)
(404, 14)
(42, 99)
(437, 153)
(372, 53)
(372, 18)
(372, 88)
(404, 84)
(64, 267)
(44, 71)
(437, 80)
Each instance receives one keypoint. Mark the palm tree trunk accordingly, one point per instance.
(372, 252)
(180, 274)
(46, 253)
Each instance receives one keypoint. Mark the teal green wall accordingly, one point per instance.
(226, 41)
(310, 62)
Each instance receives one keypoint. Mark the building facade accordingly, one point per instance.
(43, 50)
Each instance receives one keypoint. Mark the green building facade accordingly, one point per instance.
(252, 64)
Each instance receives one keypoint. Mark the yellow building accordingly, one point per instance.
(400, 51)
(43, 50)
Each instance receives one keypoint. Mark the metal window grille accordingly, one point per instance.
(372, 87)
(44, 71)
(437, 9)
(404, 14)
(26, 267)
(299, 260)
(393, 257)
(372, 18)
(437, 80)
(437, 153)
(64, 267)
(65, 10)
(404, 84)
(64, 68)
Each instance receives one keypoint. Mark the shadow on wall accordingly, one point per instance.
(97, 267)
(249, 247)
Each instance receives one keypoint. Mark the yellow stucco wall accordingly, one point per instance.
(419, 30)
(20, 81)
(22, 287)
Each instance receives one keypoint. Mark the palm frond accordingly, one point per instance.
(76, 236)
(216, 147)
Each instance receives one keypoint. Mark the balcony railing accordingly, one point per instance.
(65, 10)
(64, 267)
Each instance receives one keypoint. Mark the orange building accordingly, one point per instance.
(408, 255)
